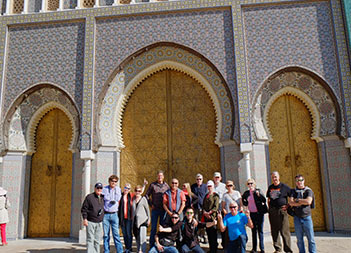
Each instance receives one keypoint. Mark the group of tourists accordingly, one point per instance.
(180, 217)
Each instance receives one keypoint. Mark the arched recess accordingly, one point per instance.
(147, 62)
(25, 113)
(309, 88)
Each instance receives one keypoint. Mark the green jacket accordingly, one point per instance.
(211, 203)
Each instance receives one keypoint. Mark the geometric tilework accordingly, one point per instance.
(148, 62)
(18, 136)
(209, 32)
(326, 116)
(45, 54)
(290, 35)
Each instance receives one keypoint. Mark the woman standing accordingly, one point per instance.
(126, 215)
(230, 196)
(4, 215)
(141, 219)
(210, 209)
(254, 199)
(191, 198)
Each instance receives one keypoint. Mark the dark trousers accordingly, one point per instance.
(238, 245)
(212, 238)
(279, 221)
(257, 220)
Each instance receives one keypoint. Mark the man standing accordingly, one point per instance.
(112, 195)
(174, 200)
(235, 222)
(93, 214)
(219, 187)
(277, 195)
(200, 190)
(301, 200)
(156, 191)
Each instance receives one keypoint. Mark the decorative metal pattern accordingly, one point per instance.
(88, 3)
(53, 5)
(18, 6)
(293, 152)
(169, 124)
(51, 178)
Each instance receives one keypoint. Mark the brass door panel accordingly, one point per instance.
(293, 152)
(169, 123)
(51, 178)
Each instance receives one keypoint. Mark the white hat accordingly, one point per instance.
(217, 174)
(2, 191)
(210, 182)
(199, 175)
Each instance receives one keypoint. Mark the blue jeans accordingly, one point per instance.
(127, 233)
(155, 215)
(111, 220)
(170, 249)
(304, 225)
(257, 220)
(196, 249)
(238, 245)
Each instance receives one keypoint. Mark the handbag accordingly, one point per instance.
(166, 242)
(291, 210)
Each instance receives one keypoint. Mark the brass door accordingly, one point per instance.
(169, 124)
(51, 178)
(293, 152)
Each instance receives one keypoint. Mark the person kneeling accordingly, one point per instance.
(190, 242)
(235, 221)
(167, 236)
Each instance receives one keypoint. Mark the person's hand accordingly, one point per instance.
(145, 181)
(207, 215)
(159, 247)
(247, 212)
(160, 228)
(219, 216)
(85, 222)
(148, 223)
(195, 223)
(258, 193)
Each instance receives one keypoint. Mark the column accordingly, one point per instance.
(25, 7)
(79, 4)
(9, 4)
(115, 2)
(44, 5)
(347, 143)
(61, 5)
(87, 156)
(97, 3)
(246, 148)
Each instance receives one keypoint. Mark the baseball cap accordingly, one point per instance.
(98, 185)
(217, 174)
(210, 182)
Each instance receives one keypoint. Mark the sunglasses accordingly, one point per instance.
(249, 183)
(114, 181)
(233, 207)
(174, 182)
(175, 218)
(209, 185)
(198, 179)
(189, 212)
(229, 185)
(99, 188)
(138, 191)
(126, 188)
(300, 180)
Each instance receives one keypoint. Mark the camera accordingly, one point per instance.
(100, 212)
(113, 202)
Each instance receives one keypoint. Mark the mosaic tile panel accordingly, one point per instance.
(207, 32)
(290, 35)
(317, 93)
(62, 47)
(339, 176)
(18, 123)
(347, 10)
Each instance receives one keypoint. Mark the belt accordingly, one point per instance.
(109, 212)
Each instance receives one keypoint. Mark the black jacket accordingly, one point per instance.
(260, 201)
(93, 208)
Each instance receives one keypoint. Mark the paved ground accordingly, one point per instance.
(326, 243)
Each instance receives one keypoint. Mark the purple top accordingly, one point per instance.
(111, 197)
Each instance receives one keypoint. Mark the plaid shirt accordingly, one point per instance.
(156, 191)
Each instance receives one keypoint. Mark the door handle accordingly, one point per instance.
(49, 171)
(58, 170)
(298, 160)
(287, 161)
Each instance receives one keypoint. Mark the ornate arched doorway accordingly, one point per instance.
(292, 151)
(51, 177)
(169, 124)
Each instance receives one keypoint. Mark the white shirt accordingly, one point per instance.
(220, 189)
